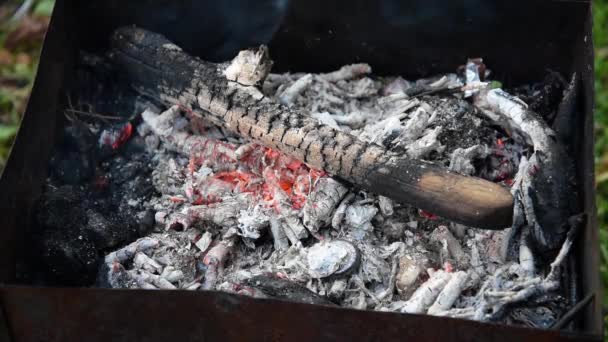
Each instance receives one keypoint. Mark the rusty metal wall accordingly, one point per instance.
(138, 315)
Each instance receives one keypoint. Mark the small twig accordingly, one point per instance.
(94, 115)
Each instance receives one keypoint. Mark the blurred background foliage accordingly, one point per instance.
(22, 28)
(600, 39)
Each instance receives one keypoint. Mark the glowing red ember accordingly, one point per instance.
(117, 136)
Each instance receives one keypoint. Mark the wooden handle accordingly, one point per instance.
(471, 201)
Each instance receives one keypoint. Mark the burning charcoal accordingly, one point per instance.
(449, 294)
(331, 258)
(183, 142)
(322, 202)
(116, 136)
(427, 293)
(228, 162)
(285, 289)
(226, 103)
(293, 227)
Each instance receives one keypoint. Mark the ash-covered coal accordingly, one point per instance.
(94, 200)
(235, 216)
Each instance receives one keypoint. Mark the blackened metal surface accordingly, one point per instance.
(21, 182)
(518, 39)
(213, 30)
(138, 315)
(587, 249)
(5, 335)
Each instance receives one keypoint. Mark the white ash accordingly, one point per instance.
(332, 257)
(249, 67)
(295, 89)
(450, 293)
(427, 293)
(228, 210)
(322, 202)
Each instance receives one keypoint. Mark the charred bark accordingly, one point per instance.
(158, 68)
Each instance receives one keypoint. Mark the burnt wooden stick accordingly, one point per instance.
(158, 68)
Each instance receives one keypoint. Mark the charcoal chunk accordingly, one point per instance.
(285, 289)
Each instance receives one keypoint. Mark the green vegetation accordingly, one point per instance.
(600, 39)
(20, 41)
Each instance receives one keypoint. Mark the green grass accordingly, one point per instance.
(18, 62)
(600, 39)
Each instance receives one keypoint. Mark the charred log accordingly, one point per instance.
(158, 68)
